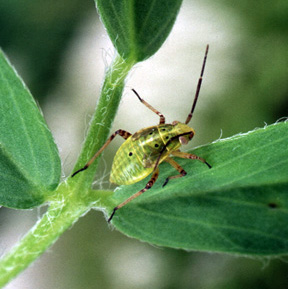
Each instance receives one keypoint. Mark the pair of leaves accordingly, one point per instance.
(241, 204)
(30, 164)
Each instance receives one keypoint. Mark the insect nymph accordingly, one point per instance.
(143, 151)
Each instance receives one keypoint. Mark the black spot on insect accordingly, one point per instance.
(156, 145)
(163, 129)
(130, 154)
(273, 205)
(167, 137)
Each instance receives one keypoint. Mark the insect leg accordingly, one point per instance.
(189, 156)
(175, 165)
(147, 187)
(123, 133)
(162, 117)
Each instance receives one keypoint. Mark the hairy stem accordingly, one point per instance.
(60, 216)
(104, 115)
(74, 197)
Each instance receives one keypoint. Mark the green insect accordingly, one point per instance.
(143, 151)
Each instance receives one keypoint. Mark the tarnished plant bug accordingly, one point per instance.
(143, 151)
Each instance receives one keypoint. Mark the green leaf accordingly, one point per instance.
(239, 206)
(29, 161)
(138, 28)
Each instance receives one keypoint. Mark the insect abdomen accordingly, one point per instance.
(127, 167)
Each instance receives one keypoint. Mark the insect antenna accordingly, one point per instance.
(198, 87)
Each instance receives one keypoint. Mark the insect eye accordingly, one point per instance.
(130, 154)
(183, 140)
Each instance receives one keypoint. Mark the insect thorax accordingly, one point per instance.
(159, 139)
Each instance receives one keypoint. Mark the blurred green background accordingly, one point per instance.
(61, 51)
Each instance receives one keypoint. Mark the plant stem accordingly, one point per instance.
(62, 213)
(73, 198)
(103, 118)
